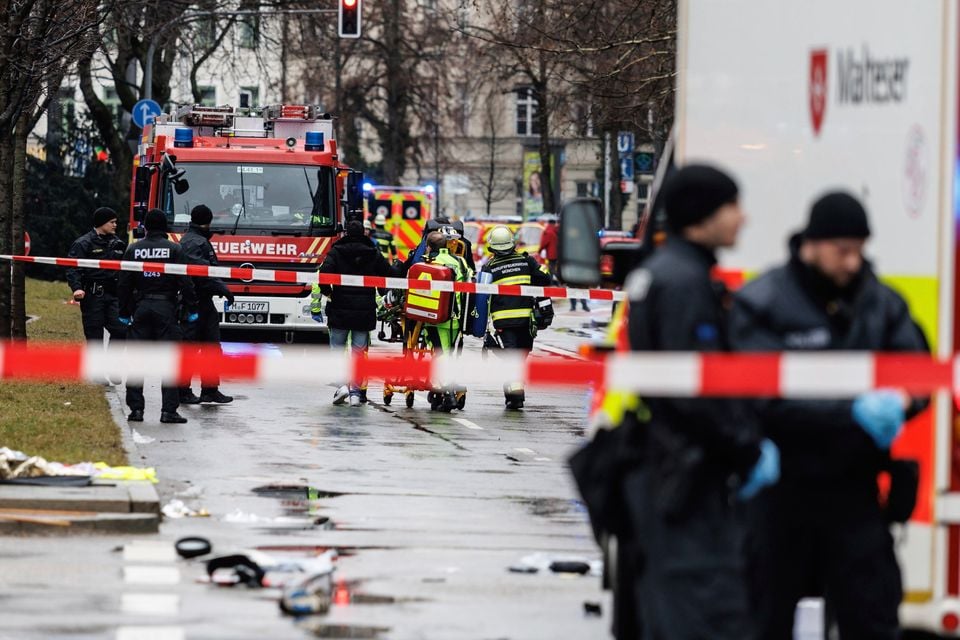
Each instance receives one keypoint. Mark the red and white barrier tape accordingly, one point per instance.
(313, 277)
(810, 375)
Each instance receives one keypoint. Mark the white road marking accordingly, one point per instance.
(468, 424)
(151, 633)
(149, 551)
(529, 452)
(542, 459)
(151, 575)
(557, 351)
(150, 603)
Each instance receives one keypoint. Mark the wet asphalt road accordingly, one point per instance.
(427, 511)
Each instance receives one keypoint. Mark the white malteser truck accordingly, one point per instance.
(796, 98)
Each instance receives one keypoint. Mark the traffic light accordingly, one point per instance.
(349, 18)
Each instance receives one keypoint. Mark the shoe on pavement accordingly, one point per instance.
(340, 395)
(355, 400)
(514, 404)
(215, 396)
(363, 396)
(188, 397)
(172, 417)
(135, 416)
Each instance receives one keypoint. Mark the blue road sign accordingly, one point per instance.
(626, 168)
(145, 111)
(625, 143)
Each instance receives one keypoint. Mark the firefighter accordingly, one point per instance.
(512, 316)
(352, 311)
(384, 238)
(822, 529)
(148, 306)
(698, 458)
(197, 249)
(96, 289)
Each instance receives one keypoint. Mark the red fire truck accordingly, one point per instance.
(278, 191)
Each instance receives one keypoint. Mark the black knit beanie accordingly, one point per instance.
(155, 220)
(201, 215)
(837, 215)
(694, 193)
(354, 229)
(102, 216)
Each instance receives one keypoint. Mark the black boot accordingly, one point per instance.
(187, 397)
(172, 417)
(215, 396)
(135, 416)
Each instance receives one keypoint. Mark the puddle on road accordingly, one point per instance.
(555, 508)
(320, 630)
(294, 491)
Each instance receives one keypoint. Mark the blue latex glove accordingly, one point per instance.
(191, 318)
(880, 413)
(125, 320)
(765, 473)
(317, 317)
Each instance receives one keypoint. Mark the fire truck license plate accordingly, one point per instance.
(247, 306)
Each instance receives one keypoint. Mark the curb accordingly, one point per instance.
(106, 506)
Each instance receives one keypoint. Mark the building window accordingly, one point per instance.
(208, 96)
(250, 33)
(583, 120)
(68, 106)
(249, 97)
(112, 101)
(462, 114)
(527, 113)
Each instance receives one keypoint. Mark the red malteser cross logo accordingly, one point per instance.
(818, 88)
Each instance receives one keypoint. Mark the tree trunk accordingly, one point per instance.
(6, 232)
(543, 121)
(18, 303)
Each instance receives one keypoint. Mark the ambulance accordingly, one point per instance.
(406, 209)
(797, 98)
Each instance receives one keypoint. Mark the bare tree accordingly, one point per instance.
(485, 169)
(39, 41)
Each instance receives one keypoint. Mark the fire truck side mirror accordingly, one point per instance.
(354, 195)
(181, 185)
(580, 242)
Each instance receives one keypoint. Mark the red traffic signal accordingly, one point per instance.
(348, 24)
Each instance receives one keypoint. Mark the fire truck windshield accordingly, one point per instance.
(280, 197)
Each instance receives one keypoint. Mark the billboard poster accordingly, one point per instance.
(534, 181)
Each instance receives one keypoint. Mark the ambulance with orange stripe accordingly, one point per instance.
(799, 98)
(278, 191)
(406, 209)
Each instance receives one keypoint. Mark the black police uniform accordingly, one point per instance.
(150, 299)
(686, 528)
(512, 316)
(197, 249)
(822, 531)
(99, 307)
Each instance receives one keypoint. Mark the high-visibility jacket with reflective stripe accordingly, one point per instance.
(385, 243)
(514, 269)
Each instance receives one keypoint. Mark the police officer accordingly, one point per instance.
(148, 305)
(96, 289)
(699, 457)
(384, 238)
(823, 531)
(197, 249)
(512, 316)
